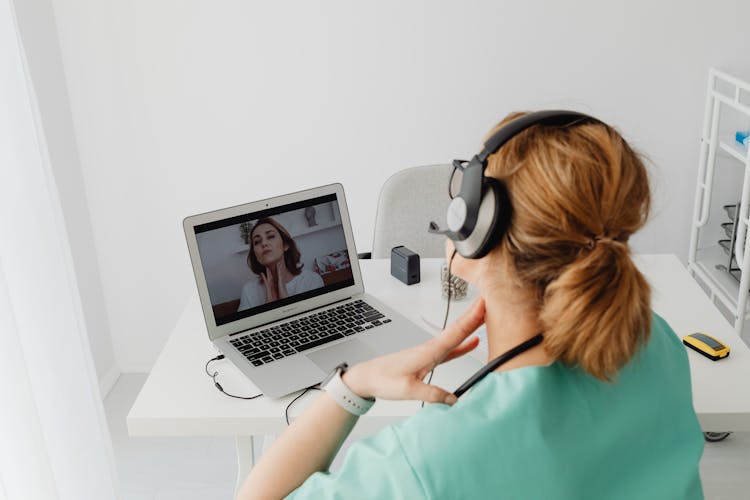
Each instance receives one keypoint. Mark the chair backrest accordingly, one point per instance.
(408, 201)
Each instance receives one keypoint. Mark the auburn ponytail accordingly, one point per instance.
(596, 314)
(578, 193)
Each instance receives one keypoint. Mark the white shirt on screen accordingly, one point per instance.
(254, 292)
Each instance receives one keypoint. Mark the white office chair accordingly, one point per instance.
(408, 201)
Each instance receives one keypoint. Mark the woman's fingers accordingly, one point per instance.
(267, 279)
(464, 348)
(430, 393)
(397, 375)
(456, 332)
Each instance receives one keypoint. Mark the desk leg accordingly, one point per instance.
(245, 458)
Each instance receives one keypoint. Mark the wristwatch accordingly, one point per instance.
(345, 397)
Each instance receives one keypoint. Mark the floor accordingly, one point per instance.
(166, 468)
(204, 468)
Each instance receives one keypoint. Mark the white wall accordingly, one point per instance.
(36, 24)
(183, 106)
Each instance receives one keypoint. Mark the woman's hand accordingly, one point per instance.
(399, 375)
(268, 281)
(280, 284)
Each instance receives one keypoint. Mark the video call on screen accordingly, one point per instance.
(262, 260)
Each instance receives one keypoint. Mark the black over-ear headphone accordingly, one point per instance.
(480, 211)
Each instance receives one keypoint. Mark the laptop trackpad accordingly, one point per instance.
(352, 352)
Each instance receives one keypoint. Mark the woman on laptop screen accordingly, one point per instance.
(275, 259)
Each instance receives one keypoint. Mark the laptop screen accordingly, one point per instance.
(262, 260)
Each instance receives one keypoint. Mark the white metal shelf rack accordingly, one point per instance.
(705, 259)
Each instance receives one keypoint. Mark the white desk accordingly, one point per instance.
(179, 399)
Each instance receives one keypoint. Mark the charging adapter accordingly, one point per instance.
(405, 265)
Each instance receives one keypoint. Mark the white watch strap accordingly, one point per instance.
(345, 397)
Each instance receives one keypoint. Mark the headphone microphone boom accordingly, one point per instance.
(435, 229)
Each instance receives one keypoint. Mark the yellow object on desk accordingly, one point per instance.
(706, 345)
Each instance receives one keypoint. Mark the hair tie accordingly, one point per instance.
(604, 239)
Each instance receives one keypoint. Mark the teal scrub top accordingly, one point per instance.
(540, 432)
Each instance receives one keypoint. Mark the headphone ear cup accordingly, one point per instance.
(497, 203)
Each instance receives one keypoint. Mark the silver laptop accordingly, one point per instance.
(281, 290)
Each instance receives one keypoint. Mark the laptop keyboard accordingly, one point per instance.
(277, 342)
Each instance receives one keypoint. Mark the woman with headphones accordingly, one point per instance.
(587, 391)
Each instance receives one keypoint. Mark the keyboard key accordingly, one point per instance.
(257, 355)
(316, 343)
(386, 320)
(257, 362)
(274, 349)
(288, 352)
(267, 359)
(278, 355)
(368, 326)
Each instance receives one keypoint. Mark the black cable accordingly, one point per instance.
(447, 307)
(218, 385)
(220, 388)
(498, 361)
(286, 411)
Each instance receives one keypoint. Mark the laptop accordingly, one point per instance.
(282, 293)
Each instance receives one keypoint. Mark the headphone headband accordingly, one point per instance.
(556, 118)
